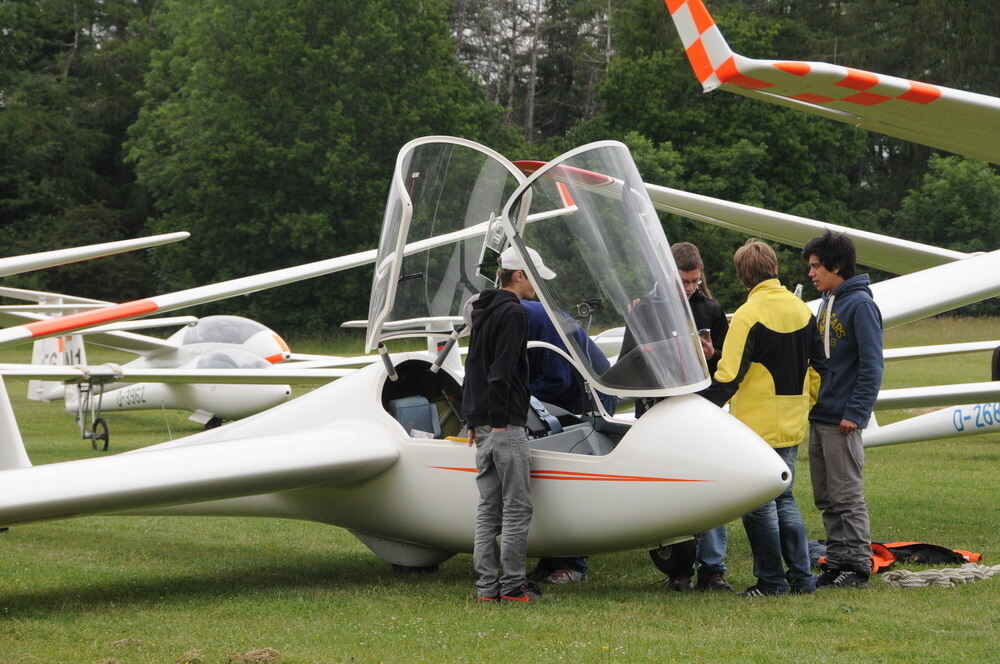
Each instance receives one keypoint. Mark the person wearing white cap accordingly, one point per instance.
(495, 404)
(511, 260)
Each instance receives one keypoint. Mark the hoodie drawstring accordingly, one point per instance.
(828, 304)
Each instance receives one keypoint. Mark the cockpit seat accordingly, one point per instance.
(418, 416)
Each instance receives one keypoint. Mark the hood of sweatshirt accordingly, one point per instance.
(859, 282)
(490, 301)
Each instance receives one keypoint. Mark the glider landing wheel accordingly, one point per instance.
(213, 423)
(99, 437)
(675, 559)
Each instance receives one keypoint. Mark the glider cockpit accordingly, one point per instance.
(589, 217)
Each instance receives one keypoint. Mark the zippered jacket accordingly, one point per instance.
(765, 372)
(850, 324)
(495, 391)
(709, 314)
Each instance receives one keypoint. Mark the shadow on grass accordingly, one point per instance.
(343, 576)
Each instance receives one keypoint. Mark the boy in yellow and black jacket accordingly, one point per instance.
(769, 372)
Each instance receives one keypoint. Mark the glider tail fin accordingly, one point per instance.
(711, 58)
(12, 452)
(55, 350)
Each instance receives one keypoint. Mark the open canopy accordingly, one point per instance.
(588, 215)
(590, 219)
(441, 185)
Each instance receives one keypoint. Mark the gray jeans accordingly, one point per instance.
(503, 460)
(836, 461)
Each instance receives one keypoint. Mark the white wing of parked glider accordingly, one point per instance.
(45, 296)
(30, 262)
(875, 250)
(939, 350)
(114, 335)
(112, 373)
(48, 309)
(934, 290)
(217, 291)
(347, 453)
(933, 115)
(938, 395)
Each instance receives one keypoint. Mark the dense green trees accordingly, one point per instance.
(272, 128)
(269, 130)
(69, 71)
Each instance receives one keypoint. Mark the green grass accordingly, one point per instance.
(141, 589)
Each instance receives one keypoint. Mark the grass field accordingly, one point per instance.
(141, 589)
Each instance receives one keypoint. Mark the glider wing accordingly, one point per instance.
(933, 115)
(938, 289)
(875, 250)
(30, 262)
(277, 375)
(938, 395)
(350, 452)
(939, 350)
(218, 291)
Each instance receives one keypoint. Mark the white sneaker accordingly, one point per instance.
(563, 576)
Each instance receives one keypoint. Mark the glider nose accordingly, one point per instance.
(269, 345)
(727, 469)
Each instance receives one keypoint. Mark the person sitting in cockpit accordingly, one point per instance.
(550, 378)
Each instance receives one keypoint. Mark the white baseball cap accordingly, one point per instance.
(510, 260)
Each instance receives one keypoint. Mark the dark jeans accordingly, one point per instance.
(777, 535)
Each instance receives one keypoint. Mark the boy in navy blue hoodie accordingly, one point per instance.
(851, 326)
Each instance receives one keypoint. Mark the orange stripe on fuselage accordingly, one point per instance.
(591, 477)
(87, 318)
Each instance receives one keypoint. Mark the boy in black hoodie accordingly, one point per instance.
(495, 403)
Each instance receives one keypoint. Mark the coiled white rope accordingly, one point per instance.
(947, 578)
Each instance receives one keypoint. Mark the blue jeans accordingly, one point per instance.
(777, 534)
(712, 551)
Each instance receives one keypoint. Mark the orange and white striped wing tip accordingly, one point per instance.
(933, 115)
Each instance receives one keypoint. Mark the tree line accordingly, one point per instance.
(269, 130)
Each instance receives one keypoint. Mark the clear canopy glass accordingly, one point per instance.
(446, 194)
(595, 227)
(222, 329)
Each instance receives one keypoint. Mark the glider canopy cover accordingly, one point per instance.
(589, 217)
(441, 185)
(231, 358)
(223, 329)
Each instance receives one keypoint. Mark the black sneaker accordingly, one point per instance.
(757, 591)
(679, 583)
(713, 581)
(528, 593)
(827, 576)
(849, 579)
